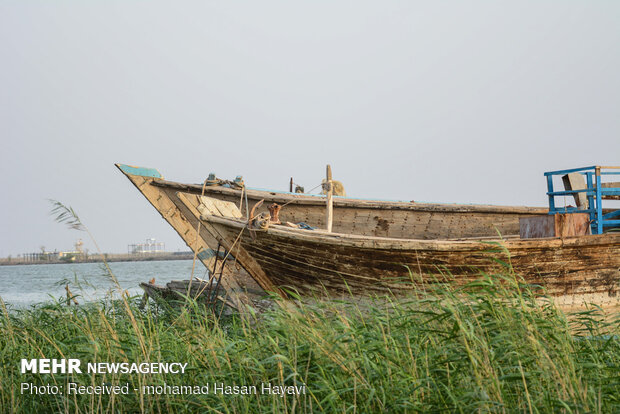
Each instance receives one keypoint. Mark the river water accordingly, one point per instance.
(24, 285)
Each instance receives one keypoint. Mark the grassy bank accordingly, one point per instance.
(488, 347)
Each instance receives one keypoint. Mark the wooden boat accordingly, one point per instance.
(375, 245)
(314, 260)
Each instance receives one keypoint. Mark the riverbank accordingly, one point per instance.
(95, 258)
(485, 348)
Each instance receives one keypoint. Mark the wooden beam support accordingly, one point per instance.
(329, 215)
(160, 198)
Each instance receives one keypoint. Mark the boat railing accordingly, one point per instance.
(595, 191)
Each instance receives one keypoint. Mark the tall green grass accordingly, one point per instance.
(485, 347)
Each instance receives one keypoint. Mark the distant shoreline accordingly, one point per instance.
(109, 257)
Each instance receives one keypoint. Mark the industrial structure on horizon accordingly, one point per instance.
(78, 253)
(150, 246)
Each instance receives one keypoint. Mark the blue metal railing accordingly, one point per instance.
(594, 192)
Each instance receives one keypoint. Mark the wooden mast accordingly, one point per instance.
(329, 215)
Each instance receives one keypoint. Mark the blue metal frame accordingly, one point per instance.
(594, 193)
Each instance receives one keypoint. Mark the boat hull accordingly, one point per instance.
(314, 261)
(396, 219)
(380, 246)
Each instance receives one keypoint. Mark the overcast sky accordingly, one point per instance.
(450, 101)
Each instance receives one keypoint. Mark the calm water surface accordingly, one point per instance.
(25, 285)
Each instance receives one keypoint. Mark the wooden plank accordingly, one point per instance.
(309, 200)
(217, 207)
(537, 227)
(164, 204)
(225, 208)
(329, 214)
(207, 208)
(393, 219)
(245, 281)
(313, 261)
(576, 181)
(228, 239)
(572, 224)
(556, 225)
(611, 185)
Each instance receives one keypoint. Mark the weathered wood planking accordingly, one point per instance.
(241, 277)
(556, 225)
(198, 206)
(611, 185)
(576, 181)
(201, 244)
(310, 261)
(388, 242)
(381, 218)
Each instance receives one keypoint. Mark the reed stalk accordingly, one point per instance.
(486, 347)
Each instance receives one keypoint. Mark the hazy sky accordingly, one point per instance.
(451, 101)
